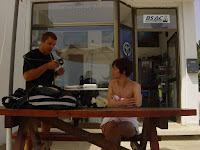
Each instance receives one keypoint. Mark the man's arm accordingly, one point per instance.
(37, 72)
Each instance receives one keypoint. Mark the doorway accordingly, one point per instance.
(158, 68)
(156, 55)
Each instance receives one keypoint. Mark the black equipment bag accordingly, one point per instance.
(18, 96)
(41, 98)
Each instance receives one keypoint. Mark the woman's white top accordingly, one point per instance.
(132, 120)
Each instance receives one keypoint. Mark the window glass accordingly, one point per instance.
(72, 12)
(87, 53)
(156, 19)
(87, 50)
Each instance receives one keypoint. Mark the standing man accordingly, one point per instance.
(39, 69)
(39, 64)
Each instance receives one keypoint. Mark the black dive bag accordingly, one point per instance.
(52, 98)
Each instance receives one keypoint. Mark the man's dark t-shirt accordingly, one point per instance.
(35, 59)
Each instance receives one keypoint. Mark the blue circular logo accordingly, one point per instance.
(127, 49)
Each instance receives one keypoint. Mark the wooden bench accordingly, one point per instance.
(61, 136)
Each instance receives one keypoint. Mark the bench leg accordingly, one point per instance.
(35, 137)
(44, 146)
(21, 135)
(143, 140)
(34, 133)
(149, 132)
(154, 138)
(135, 145)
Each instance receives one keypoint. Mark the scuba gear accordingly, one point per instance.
(61, 61)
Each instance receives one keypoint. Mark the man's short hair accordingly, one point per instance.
(124, 64)
(49, 34)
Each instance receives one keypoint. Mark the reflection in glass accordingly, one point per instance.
(148, 39)
(72, 12)
(172, 57)
(172, 71)
(82, 51)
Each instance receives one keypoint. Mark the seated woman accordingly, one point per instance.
(122, 92)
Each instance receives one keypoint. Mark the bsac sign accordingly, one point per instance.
(156, 18)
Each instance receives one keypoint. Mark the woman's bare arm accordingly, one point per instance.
(112, 102)
(137, 94)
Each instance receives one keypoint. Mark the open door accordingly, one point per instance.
(172, 84)
(173, 73)
(127, 34)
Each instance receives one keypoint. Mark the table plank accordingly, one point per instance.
(100, 112)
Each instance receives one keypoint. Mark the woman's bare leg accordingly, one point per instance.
(113, 131)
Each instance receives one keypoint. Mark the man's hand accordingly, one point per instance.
(53, 64)
(60, 71)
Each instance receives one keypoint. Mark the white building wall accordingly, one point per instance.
(22, 42)
(189, 86)
(6, 26)
(199, 104)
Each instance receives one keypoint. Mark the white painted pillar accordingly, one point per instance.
(6, 26)
(8, 138)
(189, 81)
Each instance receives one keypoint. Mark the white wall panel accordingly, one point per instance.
(190, 85)
(6, 27)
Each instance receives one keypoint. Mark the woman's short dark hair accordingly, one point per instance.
(49, 34)
(124, 64)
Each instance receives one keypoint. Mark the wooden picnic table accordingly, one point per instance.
(153, 117)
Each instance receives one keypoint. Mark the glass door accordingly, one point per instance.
(172, 83)
(127, 34)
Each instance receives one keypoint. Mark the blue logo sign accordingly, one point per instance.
(156, 18)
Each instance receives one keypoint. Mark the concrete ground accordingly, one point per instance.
(175, 144)
(187, 138)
